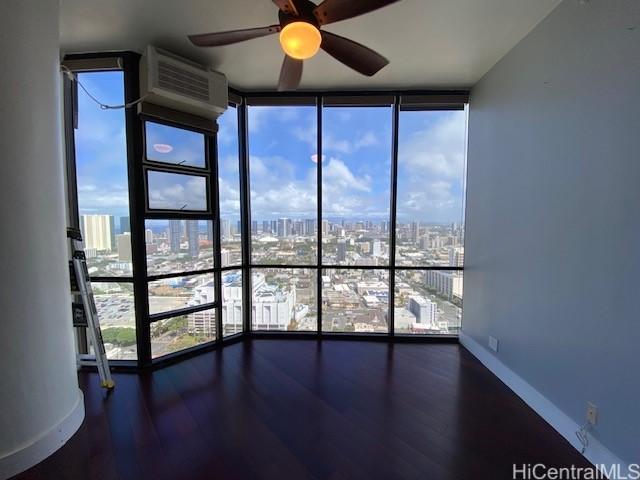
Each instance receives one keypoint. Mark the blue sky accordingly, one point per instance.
(101, 152)
(282, 149)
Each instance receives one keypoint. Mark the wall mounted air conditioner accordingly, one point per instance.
(182, 85)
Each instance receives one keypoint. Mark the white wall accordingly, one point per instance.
(40, 403)
(553, 214)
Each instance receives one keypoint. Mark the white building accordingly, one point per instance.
(456, 256)
(124, 247)
(425, 310)
(273, 307)
(376, 248)
(98, 232)
(403, 318)
(448, 284)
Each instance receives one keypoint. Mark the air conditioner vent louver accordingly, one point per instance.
(182, 81)
(179, 84)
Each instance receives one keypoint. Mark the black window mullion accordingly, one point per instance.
(245, 209)
(392, 212)
(319, 106)
(188, 273)
(214, 187)
(137, 203)
(156, 317)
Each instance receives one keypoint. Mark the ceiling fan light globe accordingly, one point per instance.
(300, 40)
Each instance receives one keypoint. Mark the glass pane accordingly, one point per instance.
(284, 299)
(428, 301)
(283, 166)
(431, 165)
(101, 171)
(173, 191)
(175, 246)
(181, 292)
(174, 145)
(229, 188)
(177, 333)
(356, 178)
(231, 302)
(355, 300)
(116, 312)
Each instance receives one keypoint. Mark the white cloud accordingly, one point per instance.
(431, 168)
(437, 150)
(190, 194)
(337, 176)
(369, 139)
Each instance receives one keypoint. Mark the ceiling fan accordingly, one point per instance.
(301, 37)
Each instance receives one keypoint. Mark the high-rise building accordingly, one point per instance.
(424, 309)
(210, 231)
(310, 226)
(274, 227)
(123, 242)
(376, 248)
(254, 227)
(414, 232)
(193, 238)
(284, 227)
(225, 229)
(342, 250)
(175, 235)
(299, 228)
(266, 227)
(456, 256)
(125, 225)
(98, 232)
(148, 236)
(325, 228)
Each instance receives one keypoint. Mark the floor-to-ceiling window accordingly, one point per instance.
(283, 183)
(380, 243)
(356, 189)
(103, 206)
(430, 221)
(229, 192)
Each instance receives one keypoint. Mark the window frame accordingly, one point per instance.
(400, 101)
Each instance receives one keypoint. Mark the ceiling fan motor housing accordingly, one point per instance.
(305, 14)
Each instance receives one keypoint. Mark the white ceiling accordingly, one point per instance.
(430, 43)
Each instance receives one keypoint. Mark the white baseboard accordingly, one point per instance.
(44, 445)
(596, 452)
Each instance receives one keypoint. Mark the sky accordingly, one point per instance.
(356, 161)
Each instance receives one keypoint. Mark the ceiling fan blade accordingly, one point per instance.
(290, 74)
(218, 39)
(287, 6)
(354, 55)
(331, 11)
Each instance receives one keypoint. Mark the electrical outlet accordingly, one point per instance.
(592, 413)
(493, 343)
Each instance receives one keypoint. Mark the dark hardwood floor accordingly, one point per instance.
(298, 409)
